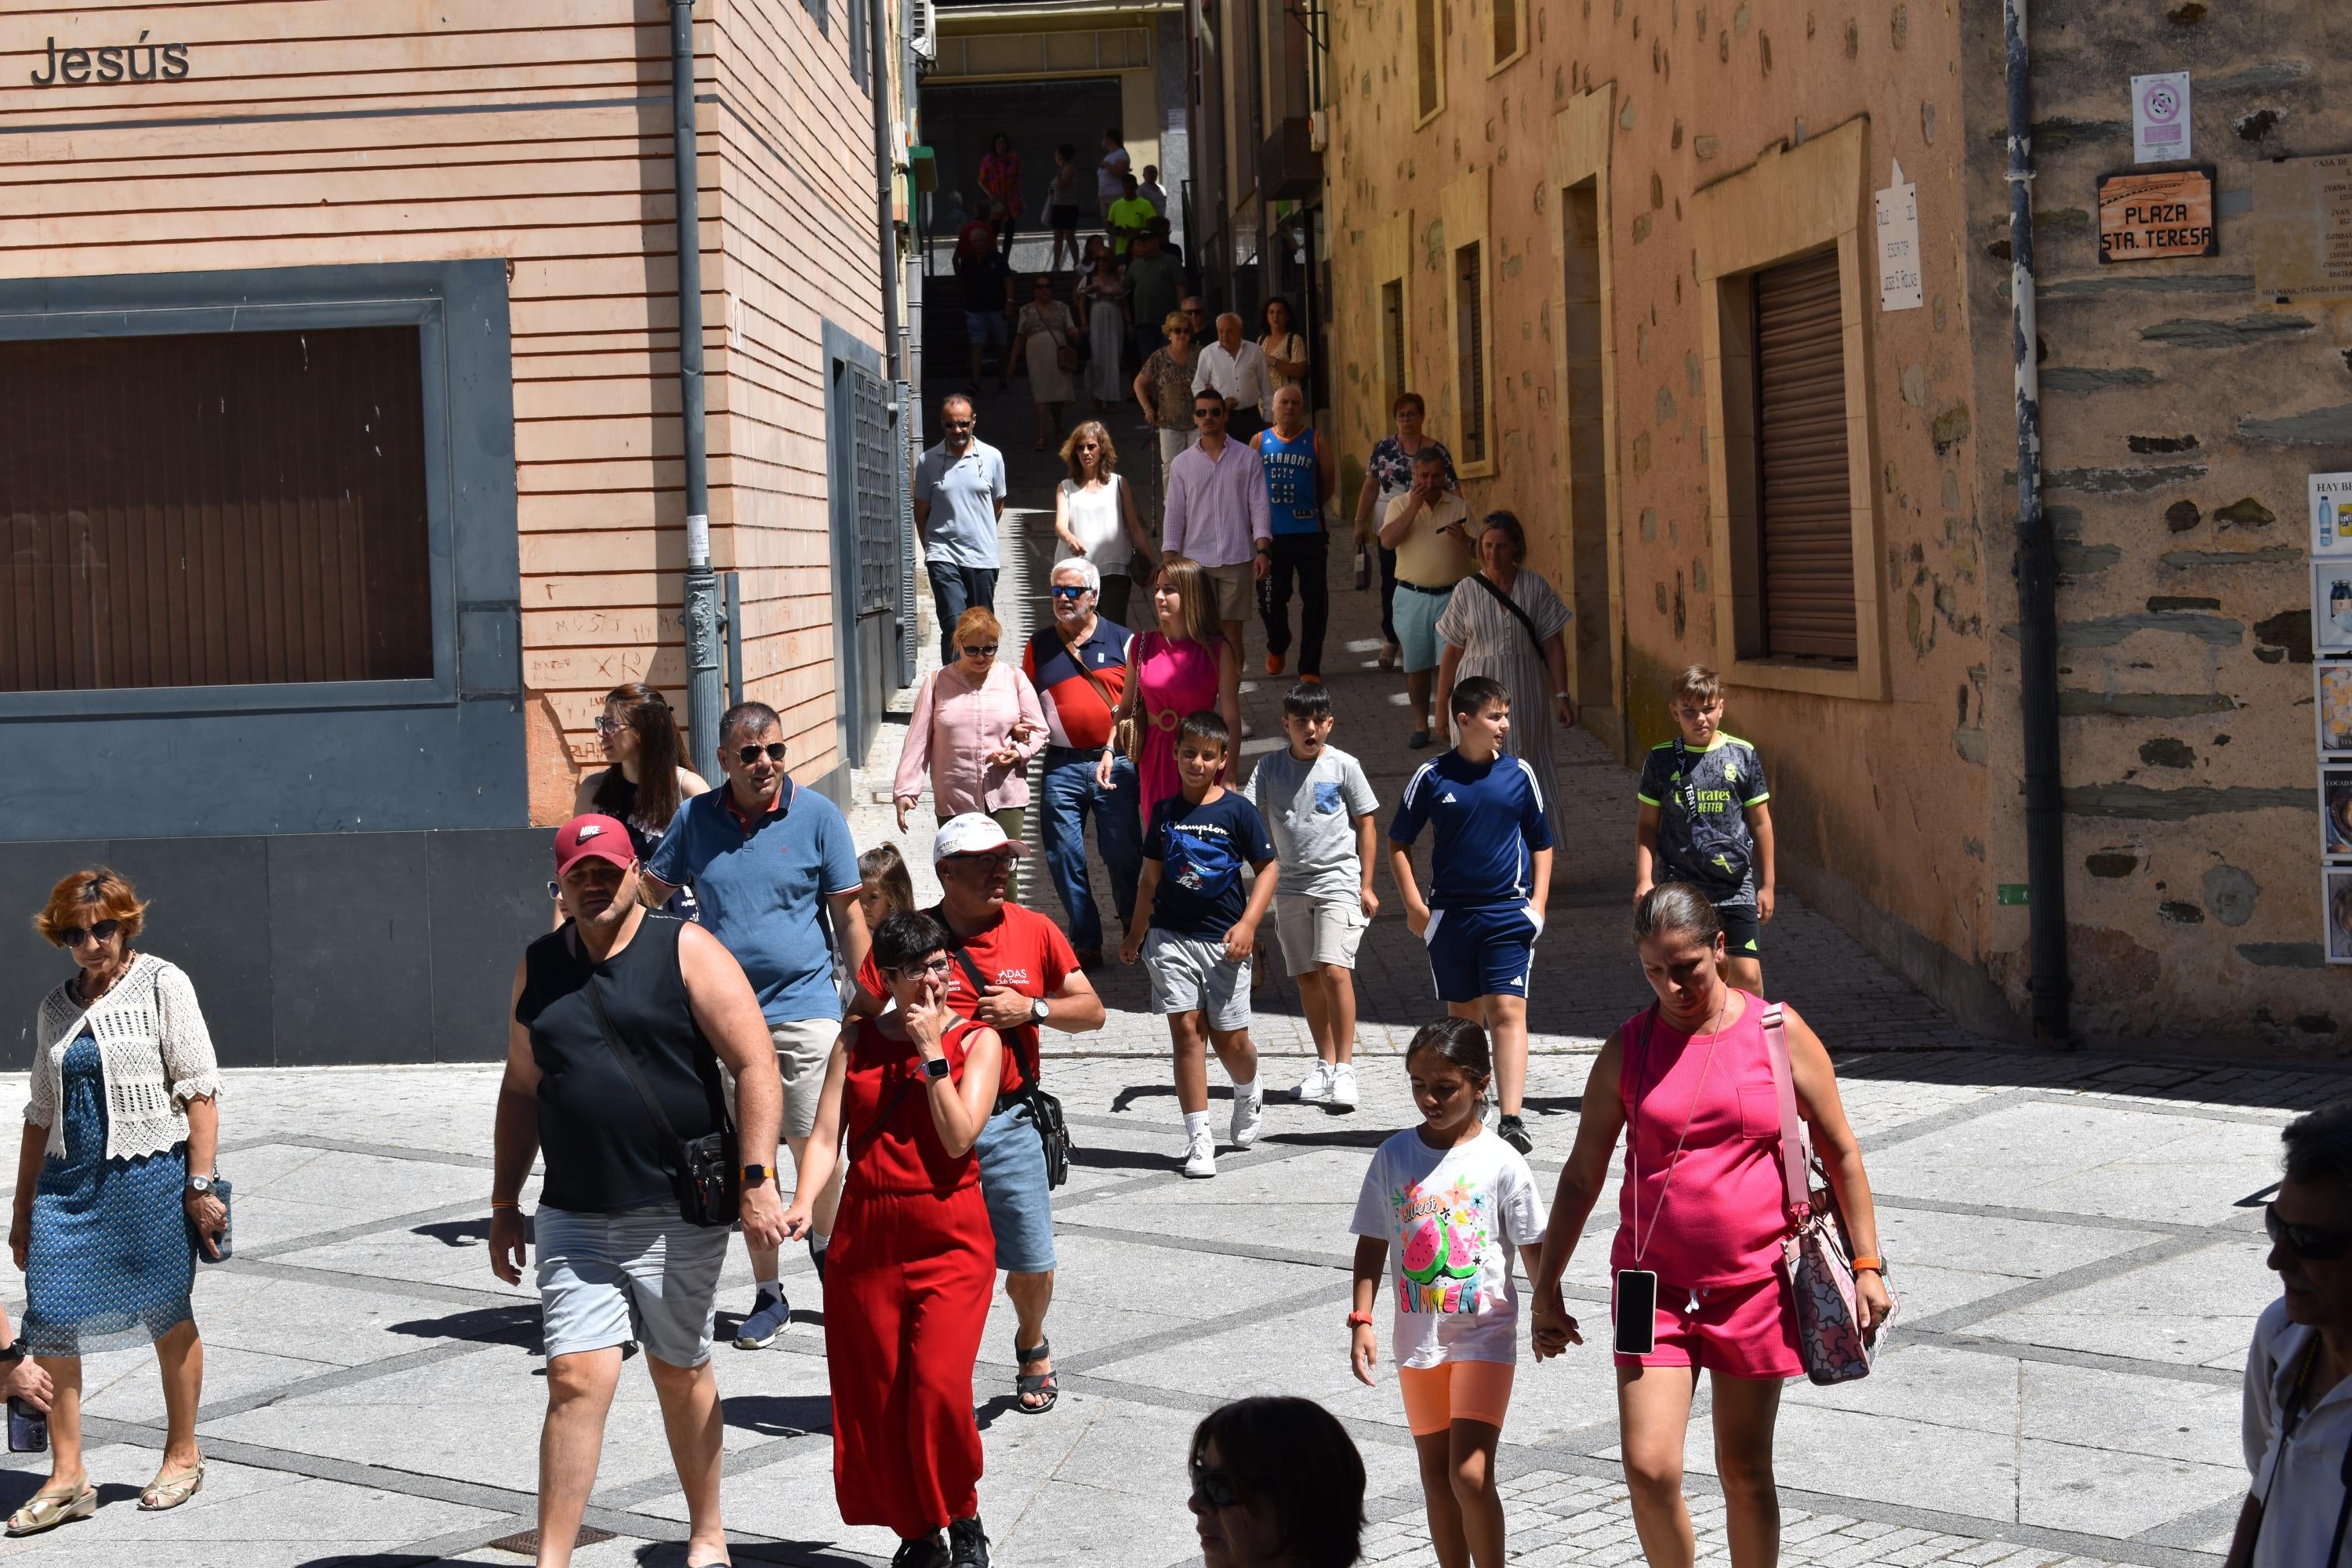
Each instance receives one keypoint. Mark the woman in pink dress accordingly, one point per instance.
(1182, 668)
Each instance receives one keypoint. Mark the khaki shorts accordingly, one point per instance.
(803, 1046)
(1236, 590)
(1317, 930)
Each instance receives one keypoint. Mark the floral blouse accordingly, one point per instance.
(1171, 390)
(1391, 465)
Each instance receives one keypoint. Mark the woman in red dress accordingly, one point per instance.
(913, 1262)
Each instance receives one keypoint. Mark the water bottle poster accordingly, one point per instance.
(2331, 527)
(2331, 607)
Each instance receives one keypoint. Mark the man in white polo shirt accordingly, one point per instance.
(2298, 1425)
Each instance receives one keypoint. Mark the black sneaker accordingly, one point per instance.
(924, 1551)
(966, 1544)
(1514, 1131)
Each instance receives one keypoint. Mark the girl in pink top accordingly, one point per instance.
(1689, 1080)
(976, 724)
(1184, 667)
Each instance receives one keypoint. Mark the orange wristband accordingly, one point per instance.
(1360, 1320)
(1874, 1265)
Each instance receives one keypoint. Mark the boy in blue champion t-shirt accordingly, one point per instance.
(1490, 871)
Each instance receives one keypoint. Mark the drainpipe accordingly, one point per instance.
(2037, 581)
(886, 225)
(701, 617)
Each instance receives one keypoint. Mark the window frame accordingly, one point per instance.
(1435, 10)
(1792, 203)
(174, 304)
(1462, 222)
(1498, 59)
(1473, 391)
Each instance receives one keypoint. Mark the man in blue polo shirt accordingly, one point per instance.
(1490, 871)
(766, 859)
(959, 488)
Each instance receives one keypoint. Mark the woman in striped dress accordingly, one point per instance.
(1483, 633)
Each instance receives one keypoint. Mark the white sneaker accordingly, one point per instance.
(1315, 1089)
(1201, 1155)
(1342, 1095)
(1249, 1110)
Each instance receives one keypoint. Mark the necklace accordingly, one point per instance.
(1641, 1238)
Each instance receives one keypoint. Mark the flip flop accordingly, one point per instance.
(47, 1510)
(1045, 1383)
(165, 1493)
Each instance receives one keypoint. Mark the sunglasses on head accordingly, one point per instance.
(980, 650)
(1213, 1487)
(748, 755)
(74, 936)
(2305, 1240)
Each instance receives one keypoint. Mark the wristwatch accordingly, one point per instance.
(200, 1184)
(1040, 1010)
(755, 1176)
(936, 1068)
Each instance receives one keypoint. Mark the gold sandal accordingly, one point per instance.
(47, 1510)
(167, 1492)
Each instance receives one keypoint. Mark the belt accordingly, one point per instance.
(1432, 592)
(1067, 752)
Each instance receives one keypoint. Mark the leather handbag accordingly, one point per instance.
(1831, 1341)
(703, 1172)
(1045, 1109)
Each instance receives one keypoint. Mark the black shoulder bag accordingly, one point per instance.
(1723, 857)
(1044, 1110)
(703, 1172)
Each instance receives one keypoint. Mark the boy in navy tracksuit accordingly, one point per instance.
(1490, 870)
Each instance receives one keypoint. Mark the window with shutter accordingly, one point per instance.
(1393, 361)
(1804, 499)
(1470, 347)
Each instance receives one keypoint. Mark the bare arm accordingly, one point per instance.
(1144, 399)
(849, 929)
(1399, 527)
(728, 1013)
(1581, 1182)
(1541, 876)
(1146, 888)
(514, 1144)
(1241, 937)
(30, 1153)
(1364, 500)
(1417, 913)
(960, 1107)
(1062, 522)
(1646, 851)
(1555, 652)
(1367, 855)
(1363, 1342)
(209, 1215)
(1759, 826)
(824, 1146)
(1840, 1155)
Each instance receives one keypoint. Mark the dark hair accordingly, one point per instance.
(1474, 696)
(1676, 909)
(1291, 1458)
(1308, 699)
(755, 717)
(646, 711)
(904, 938)
(1427, 451)
(886, 868)
(1065, 150)
(1112, 132)
(1207, 724)
(1272, 300)
(1209, 392)
(1508, 522)
(1457, 1040)
(1421, 404)
(2319, 1144)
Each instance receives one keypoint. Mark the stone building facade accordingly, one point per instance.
(1586, 233)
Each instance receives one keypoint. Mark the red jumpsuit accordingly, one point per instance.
(908, 1276)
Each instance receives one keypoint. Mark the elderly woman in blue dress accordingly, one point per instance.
(113, 1182)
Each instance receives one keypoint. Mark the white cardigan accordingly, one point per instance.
(158, 1055)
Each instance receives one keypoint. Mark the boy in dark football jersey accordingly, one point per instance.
(1705, 821)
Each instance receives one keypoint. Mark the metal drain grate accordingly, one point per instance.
(525, 1543)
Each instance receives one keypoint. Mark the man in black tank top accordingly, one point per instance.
(618, 1265)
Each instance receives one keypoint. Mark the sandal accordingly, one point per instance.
(165, 1493)
(1036, 1383)
(47, 1510)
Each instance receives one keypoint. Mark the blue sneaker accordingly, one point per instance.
(771, 1314)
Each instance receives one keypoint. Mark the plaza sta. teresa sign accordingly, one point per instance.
(2152, 216)
(140, 61)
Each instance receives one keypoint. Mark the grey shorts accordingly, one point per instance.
(1317, 930)
(645, 1275)
(1191, 974)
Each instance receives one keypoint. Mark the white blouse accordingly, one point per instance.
(1099, 523)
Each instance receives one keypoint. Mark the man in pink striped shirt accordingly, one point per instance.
(1217, 512)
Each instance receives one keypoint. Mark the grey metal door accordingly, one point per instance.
(872, 639)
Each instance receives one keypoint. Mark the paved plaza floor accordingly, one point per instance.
(2070, 1236)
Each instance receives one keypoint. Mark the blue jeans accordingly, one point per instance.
(1069, 793)
(954, 590)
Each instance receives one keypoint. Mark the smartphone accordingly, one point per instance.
(28, 1429)
(1637, 1311)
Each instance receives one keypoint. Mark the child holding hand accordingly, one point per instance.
(1457, 1201)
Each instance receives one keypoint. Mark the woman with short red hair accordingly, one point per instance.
(113, 1184)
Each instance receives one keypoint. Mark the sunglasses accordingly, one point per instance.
(938, 965)
(1065, 590)
(1214, 1487)
(980, 650)
(749, 755)
(103, 931)
(2304, 1240)
(1217, 413)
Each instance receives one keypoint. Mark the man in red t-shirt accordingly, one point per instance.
(1029, 977)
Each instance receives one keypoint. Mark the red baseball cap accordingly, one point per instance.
(601, 837)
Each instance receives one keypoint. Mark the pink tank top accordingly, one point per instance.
(1725, 1210)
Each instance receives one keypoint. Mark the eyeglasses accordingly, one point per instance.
(1214, 1487)
(750, 755)
(979, 650)
(2304, 1240)
(938, 965)
(1065, 590)
(103, 931)
(609, 726)
(992, 862)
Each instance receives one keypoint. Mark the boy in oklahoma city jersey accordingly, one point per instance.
(1704, 821)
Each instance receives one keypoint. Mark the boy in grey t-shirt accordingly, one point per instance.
(1319, 809)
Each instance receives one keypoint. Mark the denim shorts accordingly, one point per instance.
(987, 327)
(1013, 1181)
(642, 1275)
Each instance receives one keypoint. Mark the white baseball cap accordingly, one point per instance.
(973, 833)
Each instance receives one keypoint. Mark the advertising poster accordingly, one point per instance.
(2337, 901)
(2335, 705)
(2336, 811)
(2331, 531)
(2331, 607)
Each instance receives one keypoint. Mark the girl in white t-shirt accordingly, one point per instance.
(1456, 1201)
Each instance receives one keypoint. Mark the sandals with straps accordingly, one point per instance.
(47, 1510)
(1036, 1382)
(165, 1493)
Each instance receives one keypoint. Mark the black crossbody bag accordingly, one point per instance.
(1517, 614)
(703, 1172)
(1044, 1110)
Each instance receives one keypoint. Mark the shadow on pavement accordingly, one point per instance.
(517, 1326)
(780, 1414)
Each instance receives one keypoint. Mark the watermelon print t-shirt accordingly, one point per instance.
(1454, 1219)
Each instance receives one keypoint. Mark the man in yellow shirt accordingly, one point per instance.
(1129, 217)
(1429, 529)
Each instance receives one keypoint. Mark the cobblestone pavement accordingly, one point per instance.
(2078, 1267)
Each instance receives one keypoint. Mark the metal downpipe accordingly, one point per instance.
(2048, 983)
(702, 612)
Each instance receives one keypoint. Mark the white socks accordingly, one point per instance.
(1196, 1125)
(1245, 1090)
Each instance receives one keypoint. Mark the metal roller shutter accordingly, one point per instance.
(1806, 507)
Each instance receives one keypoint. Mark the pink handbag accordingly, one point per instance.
(1830, 1340)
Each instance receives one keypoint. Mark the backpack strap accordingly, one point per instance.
(1796, 1152)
